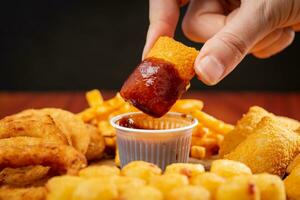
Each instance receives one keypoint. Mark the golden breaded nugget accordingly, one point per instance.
(270, 148)
(96, 146)
(292, 184)
(99, 171)
(183, 57)
(30, 193)
(189, 192)
(210, 181)
(289, 123)
(239, 188)
(142, 193)
(187, 169)
(229, 168)
(270, 186)
(165, 183)
(295, 163)
(141, 169)
(198, 152)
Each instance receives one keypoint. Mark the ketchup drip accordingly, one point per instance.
(153, 87)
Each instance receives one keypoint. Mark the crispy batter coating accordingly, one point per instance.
(96, 146)
(295, 163)
(31, 193)
(23, 151)
(292, 184)
(23, 176)
(270, 148)
(177, 53)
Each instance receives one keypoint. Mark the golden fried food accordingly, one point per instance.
(99, 171)
(243, 128)
(23, 176)
(270, 148)
(96, 145)
(94, 98)
(23, 151)
(198, 152)
(141, 169)
(208, 180)
(295, 163)
(142, 193)
(128, 183)
(96, 189)
(187, 106)
(292, 184)
(289, 123)
(167, 182)
(229, 168)
(161, 78)
(188, 192)
(187, 169)
(237, 188)
(31, 193)
(271, 186)
(62, 187)
(32, 124)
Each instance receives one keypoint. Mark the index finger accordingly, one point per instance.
(163, 16)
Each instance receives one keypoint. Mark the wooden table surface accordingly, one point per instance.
(228, 106)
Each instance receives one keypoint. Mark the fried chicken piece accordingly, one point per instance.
(96, 146)
(295, 163)
(23, 151)
(270, 148)
(34, 124)
(31, 193)
(23, 176)
(247, 124)
(161, 78)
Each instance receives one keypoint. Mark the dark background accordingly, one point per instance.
(79, 45)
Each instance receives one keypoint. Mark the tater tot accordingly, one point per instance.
(62, 187)
(99, 171)
(208, 180)
(124, 183)
(229, 168)
(189, 192)
(95, 189)
(187, 169)
(167, 182)
(238, 188)
(198, 152)
(142, 193)
(271, 186)
(141, 169)
(292, 184)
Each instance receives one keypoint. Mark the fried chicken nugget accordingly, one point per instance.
(31, 193)
(23, 176)
(293, 164)
(23, 151)
(96, 146)
(270, 148)
(292, 184)
(34, 124)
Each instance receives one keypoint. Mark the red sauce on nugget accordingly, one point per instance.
(153, 87)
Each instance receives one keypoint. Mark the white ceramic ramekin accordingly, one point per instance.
(163, 141)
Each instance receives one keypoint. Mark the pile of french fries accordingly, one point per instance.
(206, 138)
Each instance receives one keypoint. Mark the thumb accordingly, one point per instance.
(225, 50)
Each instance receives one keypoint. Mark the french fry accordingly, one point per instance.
(117, 158)
(198, 152)
(187, 106)
(87, 115)
(106, 129)
(94, 98)
(110, 142)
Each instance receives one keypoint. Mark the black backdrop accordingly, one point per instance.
(79, 45)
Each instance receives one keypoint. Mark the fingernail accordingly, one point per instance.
(210, 70)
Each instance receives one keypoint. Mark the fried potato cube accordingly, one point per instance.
(270, 148)
(95, 189)
(141, 169)
(229, 168)
(198, 152)
(292, 184)
(99, 171)
(187, 169)
(94, 98)
(271, 186)
(208, 180)
(239, 187)
(62, 187)
(189, 192)
(181, 56)
(127, 183)
(142, 193)
(165, 183)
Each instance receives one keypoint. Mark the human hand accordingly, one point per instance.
(230, 29)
